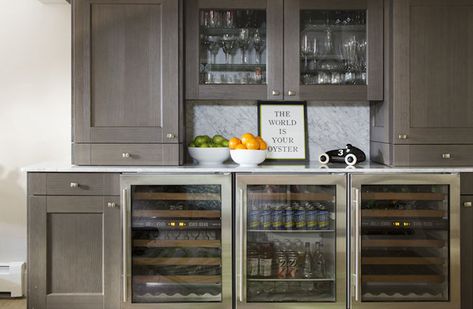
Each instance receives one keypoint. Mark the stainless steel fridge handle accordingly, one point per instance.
(240, 244)
(357, 243)
(124, 245)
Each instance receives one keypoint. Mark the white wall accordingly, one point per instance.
(35, 100)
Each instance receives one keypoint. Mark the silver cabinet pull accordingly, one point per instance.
(446, 156)
(124, 246)
(111, 205)
(126, 155)
(467, 204)
(357, 244)
(74, 185)
(291, 93)
(170, 136)
(275, 93)
(402, 136)
(240, 281)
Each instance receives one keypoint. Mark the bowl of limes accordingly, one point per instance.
(209, 151)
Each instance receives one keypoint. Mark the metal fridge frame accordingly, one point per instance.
(225, 180)
(356, 181)
(242, 181)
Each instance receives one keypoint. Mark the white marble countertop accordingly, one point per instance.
(312, 167)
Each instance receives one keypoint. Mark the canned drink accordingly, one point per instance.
(311, 218)
(292, 264)
(254, 215)
(281, 265)
(323, 219)
(277, 218)
(253, 264)
(266, 218)
(300, 218)
(288, 218)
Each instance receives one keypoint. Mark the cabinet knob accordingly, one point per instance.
(74, 185)
(126, 155)
(291, 93)
(446, 156)
(111, 205)
(402, 136)
(170, 136)
(275, 93)
(467, 204)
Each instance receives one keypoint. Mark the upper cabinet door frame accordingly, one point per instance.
(373, 91)
(431, 96)
(166, 121)
(274, 49)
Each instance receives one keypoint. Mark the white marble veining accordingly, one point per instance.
(312, 167)
(329, 125)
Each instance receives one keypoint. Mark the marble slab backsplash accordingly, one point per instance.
(330, 125)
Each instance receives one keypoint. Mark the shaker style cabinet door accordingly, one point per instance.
(73, 252)
(433, 71)
(125, 71)
(234, 49)
(333, 50)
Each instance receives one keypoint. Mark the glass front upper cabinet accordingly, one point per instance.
(230, 45)
(333, 50)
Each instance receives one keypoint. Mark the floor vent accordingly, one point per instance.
(12, 277)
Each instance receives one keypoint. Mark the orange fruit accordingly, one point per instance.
(259, 138)
(240, 147)
(234, 142)
(253, 144)
(263, 145)
(246, 137)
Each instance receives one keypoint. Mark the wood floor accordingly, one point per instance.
(13, 304)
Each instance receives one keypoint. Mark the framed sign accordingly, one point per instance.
(283, 125)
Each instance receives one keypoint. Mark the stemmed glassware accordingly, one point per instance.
(244, 43)
(214, 45)
(259, 45)
(229, 47)
(307, 49)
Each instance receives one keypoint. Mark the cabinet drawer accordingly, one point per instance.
(126, 154)
(433, 155)
(466, 183)
(82, 184)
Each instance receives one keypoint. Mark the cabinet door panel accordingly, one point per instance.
(125, 64)
(433, 70)
(466, 248)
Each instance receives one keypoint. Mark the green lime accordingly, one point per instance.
(225, 143)
(204, 145)
(199, 140)
(218, 139)
(192, 144)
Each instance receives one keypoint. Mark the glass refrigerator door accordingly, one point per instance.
(405, 243)
(291, 243)
(176, 243)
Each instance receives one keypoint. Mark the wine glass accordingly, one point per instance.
(229, 19)
(244, 43)
(306, 49)
(229, 47)
(214, 47)
(259, 45)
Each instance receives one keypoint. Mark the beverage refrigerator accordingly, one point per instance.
(290, 241)
(405, 234)
(177, 241)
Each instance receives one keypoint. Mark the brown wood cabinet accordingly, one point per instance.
(427, 116)
(126, 78)
(284, 78)
(466, 245)
(73, 241)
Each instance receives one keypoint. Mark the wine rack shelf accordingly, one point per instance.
(418, 243)
(375, 213)
(177, 243)
(176, 261)
(402, 261)
(291, 196)
(178, 279)
(403, 278)
(177, 213)
(408, 196)
(165, 196)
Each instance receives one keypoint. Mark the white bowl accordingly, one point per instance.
(209, 156)
(248, 158)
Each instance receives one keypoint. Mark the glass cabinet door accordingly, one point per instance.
(176, 243)
(291, 244)
(234, 49)
(405, 243)
(328, 44)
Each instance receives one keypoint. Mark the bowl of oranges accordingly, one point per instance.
(248, 150)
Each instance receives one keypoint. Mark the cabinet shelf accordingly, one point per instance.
(233, 67)
(176, 261)
(417, 243)
(291, 196)
(402, 261)
(381, 213)
(177, 243)
(178, 279)
(164, 196)
(403, 278)
(291, 231)
(177, 213)
(335, 28)
(291, 280)
(410, 196)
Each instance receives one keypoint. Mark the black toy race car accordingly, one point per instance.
(349, 155)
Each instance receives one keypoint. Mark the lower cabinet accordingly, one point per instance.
(73, 249)
(466, 244)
